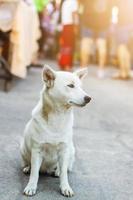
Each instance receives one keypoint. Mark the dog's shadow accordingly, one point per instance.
(48, 183)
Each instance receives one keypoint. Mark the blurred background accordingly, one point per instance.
(69, 35)
(70, 32)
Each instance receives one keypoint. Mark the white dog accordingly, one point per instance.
(48, 137)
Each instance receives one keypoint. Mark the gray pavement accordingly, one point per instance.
(103, 135)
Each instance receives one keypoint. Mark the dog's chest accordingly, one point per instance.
(59, 122)
(60, 127)
(57, 129)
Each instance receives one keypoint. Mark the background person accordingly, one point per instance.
(123, 36)
(50, 26)
(95, 21)
(69, 22)
(40, 5)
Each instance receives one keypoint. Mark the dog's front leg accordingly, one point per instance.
(63, 163)
(36, 161)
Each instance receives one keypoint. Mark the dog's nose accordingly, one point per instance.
(87, 99)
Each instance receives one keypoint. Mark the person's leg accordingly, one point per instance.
(127, 63)
(102, 54)
(42, 38)
(124, 62)
(85, 51)
(67, 44)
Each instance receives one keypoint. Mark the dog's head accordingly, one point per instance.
(65, 87)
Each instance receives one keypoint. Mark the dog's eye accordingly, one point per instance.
(71, 85)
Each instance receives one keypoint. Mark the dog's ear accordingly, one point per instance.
(48, 76)
(81, 73)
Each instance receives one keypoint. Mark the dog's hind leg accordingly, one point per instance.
(25, 165)
(26, 170)
(57, 171)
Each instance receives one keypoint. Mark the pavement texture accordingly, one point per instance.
(103, 136)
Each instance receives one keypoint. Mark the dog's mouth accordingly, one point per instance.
(76, 104)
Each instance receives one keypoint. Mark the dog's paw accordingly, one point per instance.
(30, 190)
(26, 170)
(57, 172)
(67, 191)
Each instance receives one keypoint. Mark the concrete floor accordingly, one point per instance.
(103, 139)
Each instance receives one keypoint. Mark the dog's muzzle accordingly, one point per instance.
(87, 99)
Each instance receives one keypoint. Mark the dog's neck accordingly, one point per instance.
(50, 105)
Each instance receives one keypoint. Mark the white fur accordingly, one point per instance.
(47, 145)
